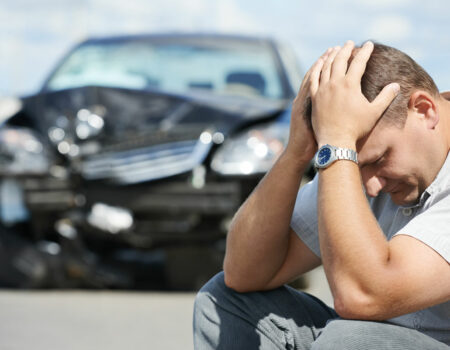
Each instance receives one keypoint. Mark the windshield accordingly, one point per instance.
(249, 69)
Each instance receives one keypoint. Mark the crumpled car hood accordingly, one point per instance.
(135, 111)
(146, 135)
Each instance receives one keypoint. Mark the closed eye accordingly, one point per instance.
(379, 160)
(376, 162)
(384, 157)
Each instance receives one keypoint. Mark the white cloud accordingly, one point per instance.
(106, 16)
(389, 28)
(231, 18)
(386, 3)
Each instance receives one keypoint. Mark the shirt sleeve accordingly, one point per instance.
(304, 217)
(432, 227)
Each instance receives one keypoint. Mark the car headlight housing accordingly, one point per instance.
(253, 151)
(22, 152)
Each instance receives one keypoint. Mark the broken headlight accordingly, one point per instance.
(252, 151)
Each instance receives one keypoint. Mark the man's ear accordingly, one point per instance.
(424, 106)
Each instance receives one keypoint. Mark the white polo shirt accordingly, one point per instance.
(427, 221)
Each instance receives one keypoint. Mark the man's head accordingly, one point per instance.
(405, 150)
(387, 65)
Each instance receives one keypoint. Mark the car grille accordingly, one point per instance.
(147, 163)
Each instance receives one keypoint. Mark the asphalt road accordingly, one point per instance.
(47, 320)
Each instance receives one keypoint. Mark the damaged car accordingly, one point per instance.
(126, 168)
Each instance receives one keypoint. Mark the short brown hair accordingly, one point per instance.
(388, 65)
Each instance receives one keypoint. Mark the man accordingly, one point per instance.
(386, 259)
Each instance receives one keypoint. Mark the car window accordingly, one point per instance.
(173, 67)
(291, 64)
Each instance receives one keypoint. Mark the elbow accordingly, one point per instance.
(233, 279)
(357, 305)
(236, 283)
(233, 284)
(238, 279)
(348, 309)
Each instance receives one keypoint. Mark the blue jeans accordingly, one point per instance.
(285, 318)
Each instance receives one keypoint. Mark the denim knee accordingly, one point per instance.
(279, 318)
(204, 299)
(204, 295)
(216, 282)
(206, 321)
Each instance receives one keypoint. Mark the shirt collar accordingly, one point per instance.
(441, 182)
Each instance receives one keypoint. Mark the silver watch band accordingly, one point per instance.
(346, 153)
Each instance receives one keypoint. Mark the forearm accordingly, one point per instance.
(258, 238)
(355, 253)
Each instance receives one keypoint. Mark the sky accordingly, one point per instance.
(34, 35)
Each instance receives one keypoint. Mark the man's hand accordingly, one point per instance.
(341, 114)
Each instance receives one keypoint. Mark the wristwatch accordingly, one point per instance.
(327, 155)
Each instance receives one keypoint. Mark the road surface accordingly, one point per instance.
(85, 320)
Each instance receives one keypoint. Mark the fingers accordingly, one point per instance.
(334, 63)
(340, 64)
(385, 98)
(359, 62)
(328, 62)
(306, 79)
(315, 76)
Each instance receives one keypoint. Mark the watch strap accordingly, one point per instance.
(347, 154)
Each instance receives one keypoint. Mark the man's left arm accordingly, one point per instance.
(370, 278)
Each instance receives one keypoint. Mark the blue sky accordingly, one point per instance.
(35, 34)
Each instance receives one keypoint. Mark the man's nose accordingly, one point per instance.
(374, 185)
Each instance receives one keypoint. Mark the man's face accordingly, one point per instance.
(390, 162)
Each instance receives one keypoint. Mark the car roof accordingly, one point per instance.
(175, 36)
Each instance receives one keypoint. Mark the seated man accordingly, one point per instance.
(377, 216)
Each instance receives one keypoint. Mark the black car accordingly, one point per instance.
(128, 165)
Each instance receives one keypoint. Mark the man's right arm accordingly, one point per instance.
(263, 252)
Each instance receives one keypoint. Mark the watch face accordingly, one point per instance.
(324, 155)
